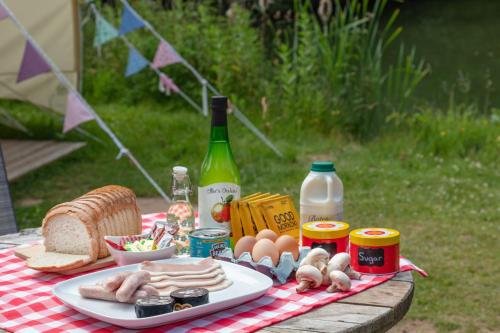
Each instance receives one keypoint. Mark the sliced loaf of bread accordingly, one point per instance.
(74, 231)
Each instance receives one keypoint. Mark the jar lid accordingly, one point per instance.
(323, 166)
(374, 236)
(325, 229)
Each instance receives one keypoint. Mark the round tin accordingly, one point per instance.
(374, 250)
(332, 236)
(186, 298)
(208, 242)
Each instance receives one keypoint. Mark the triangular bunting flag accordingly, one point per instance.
(165, 55)
(167, 84)
(130, 21)
(32, 64)
(3, 12)
(104, 31)
(136, 62)
(76, 113)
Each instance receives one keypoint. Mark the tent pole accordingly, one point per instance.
(62, 78)
(12, 122)
(239, 115)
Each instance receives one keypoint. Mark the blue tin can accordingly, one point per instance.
(208, 242)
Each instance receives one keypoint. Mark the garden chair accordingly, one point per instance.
(7, 219)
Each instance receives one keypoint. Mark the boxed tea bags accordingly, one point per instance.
(256, 212)
(249, 228)
(281, 216)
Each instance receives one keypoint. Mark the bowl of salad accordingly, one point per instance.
(154, 245)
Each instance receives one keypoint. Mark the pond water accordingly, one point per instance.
(460, 39)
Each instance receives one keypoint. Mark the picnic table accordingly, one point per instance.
(374, 310)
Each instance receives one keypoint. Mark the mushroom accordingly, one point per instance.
(352, 274)
(318, 258)
(308, 277)
(341, 262)
(340, 281)
(326, 279)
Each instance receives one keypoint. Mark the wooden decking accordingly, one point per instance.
(23, 156)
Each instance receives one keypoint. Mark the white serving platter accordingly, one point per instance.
(247, 285)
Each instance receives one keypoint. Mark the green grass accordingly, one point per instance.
(446, 208)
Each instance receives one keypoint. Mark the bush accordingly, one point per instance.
(319, 75)
(458, 132)
(335, 73)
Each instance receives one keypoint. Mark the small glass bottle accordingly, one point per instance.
(180, 212)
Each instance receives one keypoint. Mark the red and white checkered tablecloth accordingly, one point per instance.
(27, 303)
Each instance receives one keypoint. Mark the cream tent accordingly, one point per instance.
(54, 25)
(52, 28)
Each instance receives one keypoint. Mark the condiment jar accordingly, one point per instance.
(333, 236)
(374, 250)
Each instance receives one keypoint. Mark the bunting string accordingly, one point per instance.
(238, 114)
(137, 62)
(167, 55)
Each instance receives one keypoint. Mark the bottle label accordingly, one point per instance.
(334, 212)
(214, 204)
(339, 216)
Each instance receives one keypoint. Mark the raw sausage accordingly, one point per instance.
(131, 284)
(98, 292)
(114, 282)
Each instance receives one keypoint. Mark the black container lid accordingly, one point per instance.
(219, 111)
(189, 293)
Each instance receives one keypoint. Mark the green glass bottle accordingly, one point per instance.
(219, 177)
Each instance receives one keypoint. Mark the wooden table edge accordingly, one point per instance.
(389, 315)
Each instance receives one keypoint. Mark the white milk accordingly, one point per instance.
(321, 195)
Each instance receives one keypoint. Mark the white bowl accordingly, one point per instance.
(128, 257)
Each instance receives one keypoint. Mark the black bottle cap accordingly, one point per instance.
(219, 111)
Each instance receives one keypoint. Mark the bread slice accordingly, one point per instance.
(57, 262)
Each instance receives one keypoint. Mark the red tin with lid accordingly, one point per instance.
(374, 250)
(333, 236)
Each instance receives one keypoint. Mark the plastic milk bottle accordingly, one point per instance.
(321, 195)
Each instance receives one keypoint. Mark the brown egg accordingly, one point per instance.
(266, 233)
(244, 244)
(287, 243)
(265, 247)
